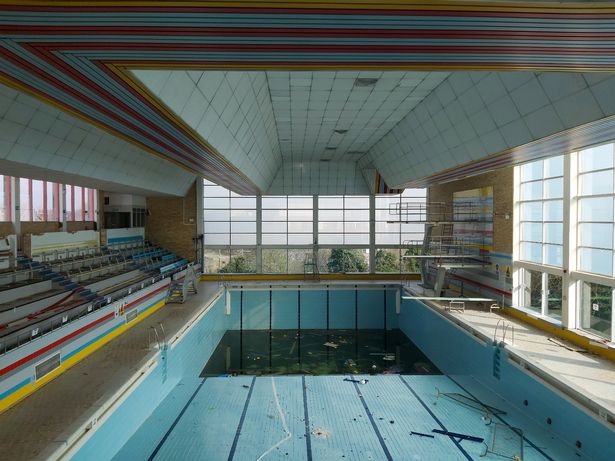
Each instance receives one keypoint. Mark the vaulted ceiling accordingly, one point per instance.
(255, 95)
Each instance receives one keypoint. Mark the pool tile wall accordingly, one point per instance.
(182, 363)
(313, 309)
(467, 360)
(183, 360)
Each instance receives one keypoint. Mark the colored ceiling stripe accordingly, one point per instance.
(76, 54)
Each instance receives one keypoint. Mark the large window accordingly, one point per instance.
(541, 211)
(343, 220)
(400, 218)
(542, 292)
(295, 234)
(596, 313)
(80, 203)
(343, 260)
(595, 210)
(567, 279)
(399, 221)
(230, 219)
(287, 220)
(286, 260)
(40, 201)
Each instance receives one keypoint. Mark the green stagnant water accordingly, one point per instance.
(316, 352)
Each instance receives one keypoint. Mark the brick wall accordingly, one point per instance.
(6, 228)
(502, 182)
(172, 223)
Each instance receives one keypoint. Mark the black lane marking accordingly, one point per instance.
(308, 439)
(384, 293)
(181, 413)
(270, 307)
(241, 329)
(371, 420)
(327, 308)
(241, 420)
(503, 421)
(356, 308)
(442, 426)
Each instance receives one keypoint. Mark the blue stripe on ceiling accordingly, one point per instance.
(359, 41)
(192, 19)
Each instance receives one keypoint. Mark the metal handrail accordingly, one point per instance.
(25, 334)
(495, 331)
(512, 328)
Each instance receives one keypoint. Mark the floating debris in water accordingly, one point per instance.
(333, 345)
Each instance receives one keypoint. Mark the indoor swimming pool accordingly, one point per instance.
(451, 407)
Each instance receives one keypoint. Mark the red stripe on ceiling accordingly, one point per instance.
(302, 32)
(53, 60)
(298, 48)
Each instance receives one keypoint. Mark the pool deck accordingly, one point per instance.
(69, 401)
(582, 372)
(328, 417)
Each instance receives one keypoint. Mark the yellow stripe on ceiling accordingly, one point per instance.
(242, 66)
(516, 7)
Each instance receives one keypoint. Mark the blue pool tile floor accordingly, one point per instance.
(326, 418)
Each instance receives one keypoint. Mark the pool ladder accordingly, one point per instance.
(159, 337)
(497, 346)
(505, 328)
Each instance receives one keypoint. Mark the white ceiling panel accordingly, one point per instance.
(42, 142)
(341, 115)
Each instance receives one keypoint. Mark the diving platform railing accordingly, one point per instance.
(435, 212)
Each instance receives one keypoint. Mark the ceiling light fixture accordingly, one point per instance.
(365, 82)
(341, 131)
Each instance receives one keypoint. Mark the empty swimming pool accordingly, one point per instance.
(466, 414)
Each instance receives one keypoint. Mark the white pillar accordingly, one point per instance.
(569, 294)
(15, 214)
(315, 229)
(259, 234)
(372, 233)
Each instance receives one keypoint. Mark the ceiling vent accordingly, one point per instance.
(365, 82)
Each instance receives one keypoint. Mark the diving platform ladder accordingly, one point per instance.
(310, 269)
(181, 289)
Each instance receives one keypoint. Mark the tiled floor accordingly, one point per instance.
(324, 418)
(68, 401)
